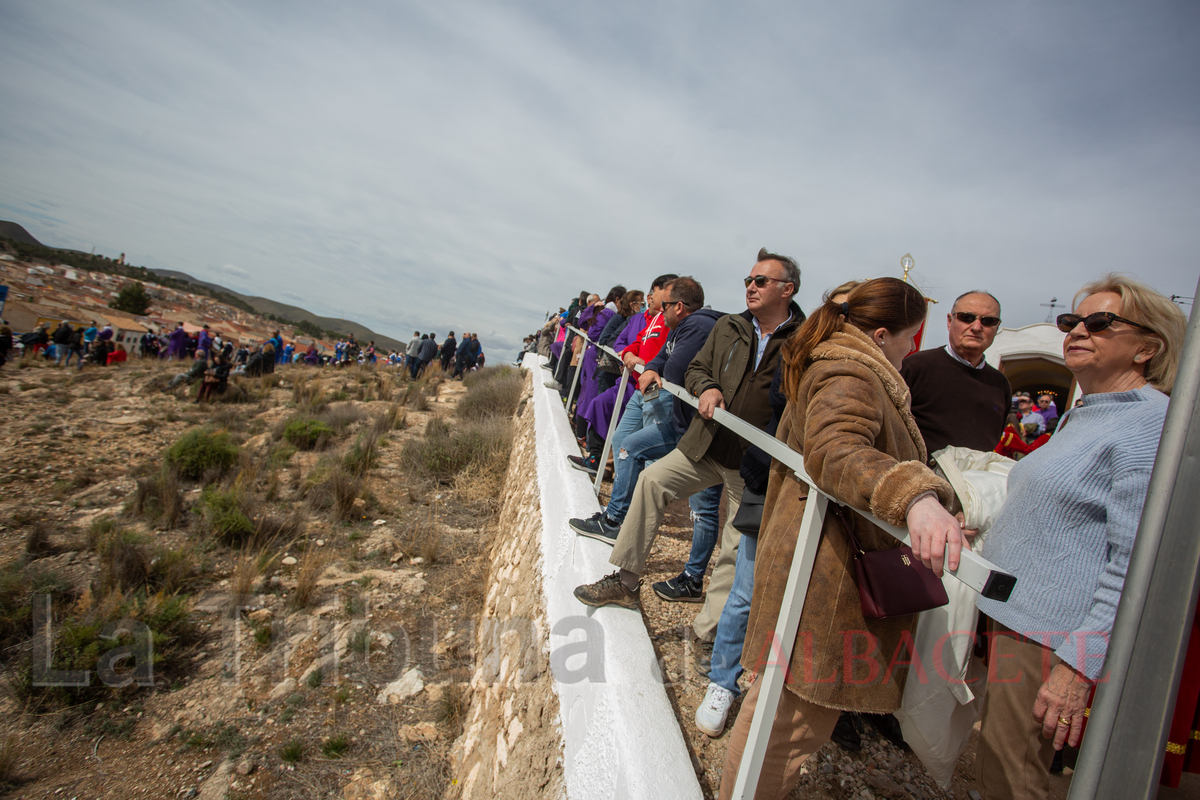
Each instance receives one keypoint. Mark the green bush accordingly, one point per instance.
(201, 451)
(307, 433)
(226, 519)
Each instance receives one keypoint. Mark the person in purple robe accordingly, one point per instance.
(177, 343)
(593, 320)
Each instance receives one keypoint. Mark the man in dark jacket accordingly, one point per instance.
(733, 370)
(427, 352)
(62, 341)
(448, 349)
(460, 356)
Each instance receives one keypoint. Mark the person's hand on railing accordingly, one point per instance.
(630, 360)
(648, 377)
(934, 535)
(710, 401)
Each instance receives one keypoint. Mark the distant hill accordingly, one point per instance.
(264, 306)
(13, 230)
(175, 279)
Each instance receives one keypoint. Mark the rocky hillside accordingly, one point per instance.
(273, 596)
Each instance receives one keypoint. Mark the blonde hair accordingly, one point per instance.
(1144, 305)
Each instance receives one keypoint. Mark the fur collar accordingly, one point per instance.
(851, 344)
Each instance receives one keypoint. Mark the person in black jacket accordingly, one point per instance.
(449, 347)
(62, 341)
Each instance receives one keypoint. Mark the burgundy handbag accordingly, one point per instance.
(892, 583)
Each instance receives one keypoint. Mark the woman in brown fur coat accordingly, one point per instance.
(848, 413)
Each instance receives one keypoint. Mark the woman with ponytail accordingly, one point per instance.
(848, 413)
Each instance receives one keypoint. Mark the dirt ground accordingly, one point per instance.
(277, 700)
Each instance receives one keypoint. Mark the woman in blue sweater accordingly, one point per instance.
(1067, 530)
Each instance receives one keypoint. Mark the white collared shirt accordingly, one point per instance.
(961, 360)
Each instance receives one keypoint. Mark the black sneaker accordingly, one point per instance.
(887, 726)
(845, 735)
(585, 464)
(598, 527)
(683, 588)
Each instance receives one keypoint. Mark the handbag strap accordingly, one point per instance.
(841, 512)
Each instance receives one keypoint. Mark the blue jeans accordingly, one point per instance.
(706, 516)
(637, 450)
(731, 629)
(638, 414)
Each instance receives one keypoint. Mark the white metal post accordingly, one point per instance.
(774, 672)
(612, 426)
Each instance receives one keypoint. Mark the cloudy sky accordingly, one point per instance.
(471, 165)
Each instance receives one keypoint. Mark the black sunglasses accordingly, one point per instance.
(1095, 322)
(966, 318)
(760, 281)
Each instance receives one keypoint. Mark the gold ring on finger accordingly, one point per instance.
(1064, 721)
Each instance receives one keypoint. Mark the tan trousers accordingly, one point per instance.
(799, 730)
(676, 475)
(1013, 760)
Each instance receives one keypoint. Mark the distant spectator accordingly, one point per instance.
(199, 365)
(62, 341)
(448, 349)
(118, 356)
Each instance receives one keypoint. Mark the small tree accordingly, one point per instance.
(132, 299)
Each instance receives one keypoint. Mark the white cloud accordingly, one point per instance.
(471, 165)
(230, 269)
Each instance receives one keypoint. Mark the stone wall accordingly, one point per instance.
(511, 746)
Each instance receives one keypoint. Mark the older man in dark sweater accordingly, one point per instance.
(957, 397)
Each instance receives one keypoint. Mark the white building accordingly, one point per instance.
(1032, 359)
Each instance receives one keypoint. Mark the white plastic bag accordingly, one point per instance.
(942, 700)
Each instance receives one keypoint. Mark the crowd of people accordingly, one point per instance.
(95, 345)
(213, 360)
(844, 387)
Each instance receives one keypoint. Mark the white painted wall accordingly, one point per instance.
(620, 733)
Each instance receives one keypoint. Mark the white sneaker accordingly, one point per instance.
(552, 384)
(712, 712)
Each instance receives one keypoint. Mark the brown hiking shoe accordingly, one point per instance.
(608, 591)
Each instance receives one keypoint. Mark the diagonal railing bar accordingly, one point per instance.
(973, 570)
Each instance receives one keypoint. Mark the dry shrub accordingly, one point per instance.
(248, 569)
(37, 541)
(124, 562)
(491, 392)
(393, 418)
(453, 706)
(415, 397)
(445, 452)
(236, 391)
(9, 756)
(341, 417)
(271, 529)
(365, 452)
(331, 485)
(158, 498)
(311, 567)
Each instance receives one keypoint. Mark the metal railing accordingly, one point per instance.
(973, 570)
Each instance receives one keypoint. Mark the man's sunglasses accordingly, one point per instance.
(1095, 322)
(760, 281)
(967, 318)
